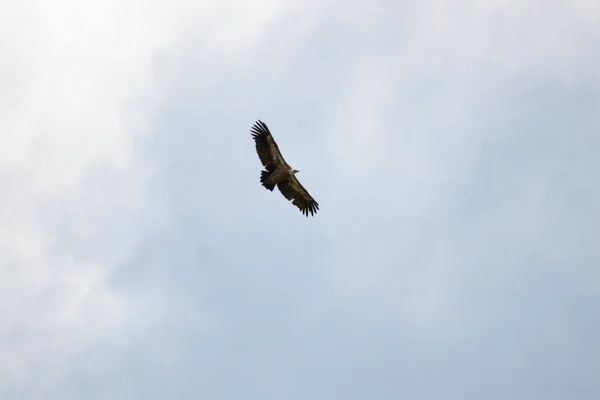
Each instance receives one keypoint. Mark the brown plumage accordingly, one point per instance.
(278, 172)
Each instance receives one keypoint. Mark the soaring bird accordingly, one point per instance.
(278, 171)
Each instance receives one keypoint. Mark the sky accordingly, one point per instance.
(453, 148)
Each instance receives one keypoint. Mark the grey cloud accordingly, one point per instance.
(452, 151)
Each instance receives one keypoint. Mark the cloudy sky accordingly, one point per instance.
(454, 149)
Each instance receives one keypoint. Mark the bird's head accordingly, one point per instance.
(294, 171)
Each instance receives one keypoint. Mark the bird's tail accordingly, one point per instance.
(264, 175)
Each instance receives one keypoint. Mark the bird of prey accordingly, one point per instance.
(278, 171)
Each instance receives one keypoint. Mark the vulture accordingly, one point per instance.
(277, 172)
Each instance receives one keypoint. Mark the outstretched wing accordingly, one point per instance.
(293, 190)
(267, 149)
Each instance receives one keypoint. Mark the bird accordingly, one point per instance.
(277, 172)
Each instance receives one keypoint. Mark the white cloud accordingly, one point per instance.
(78, 92)
(79, 85)
(408, 139)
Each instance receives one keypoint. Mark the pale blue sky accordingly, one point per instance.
(453, 150)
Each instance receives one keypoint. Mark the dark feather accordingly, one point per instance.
(267, 149)
(277, 171)
(264, 175)
(294, 191)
